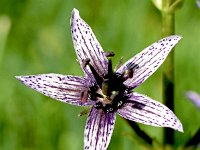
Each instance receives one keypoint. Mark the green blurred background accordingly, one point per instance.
(35, 38)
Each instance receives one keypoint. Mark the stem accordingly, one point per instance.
(168, 28)
(139, 132)
(194, 141)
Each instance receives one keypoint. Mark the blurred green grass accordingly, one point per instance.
(36, 39)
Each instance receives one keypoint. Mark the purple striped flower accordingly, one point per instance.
(108, 92)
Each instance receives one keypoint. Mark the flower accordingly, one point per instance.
(194, 97)
(198, 3)
(108, 92)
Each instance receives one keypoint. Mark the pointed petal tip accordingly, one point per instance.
(175, 37)
(180, 128)
(18, 77)
(75, 12)
(178, 37)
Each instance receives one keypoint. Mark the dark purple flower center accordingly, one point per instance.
(109, 92)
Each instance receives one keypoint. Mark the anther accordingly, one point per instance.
(84, 96)
(128, 73)
(86, 62)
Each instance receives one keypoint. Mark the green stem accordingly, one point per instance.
(168, 28)
(143, 135)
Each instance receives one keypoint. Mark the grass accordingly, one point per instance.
(39, 41)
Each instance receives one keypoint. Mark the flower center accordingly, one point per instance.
(109, 91)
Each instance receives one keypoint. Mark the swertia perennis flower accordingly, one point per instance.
(107, 91)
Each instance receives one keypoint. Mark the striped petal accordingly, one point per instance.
(147, 62)
(67, 89)
(87, 46)
(144, 110)
(98, 130)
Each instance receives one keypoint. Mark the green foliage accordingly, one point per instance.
(37, 40)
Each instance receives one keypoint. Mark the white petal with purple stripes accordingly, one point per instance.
(98, 130)
(148, 61)
(60, 87)
(144, 110)
(87, 46)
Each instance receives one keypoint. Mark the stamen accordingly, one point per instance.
(105, 85)
(86, 62)
(110, 71)
(128, 73)
(109, 54)
(97, 77)
(84, 96)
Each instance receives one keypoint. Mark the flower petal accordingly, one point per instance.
(87, 46)
(63, 88)
(194, 97)
(144, 110)
(98, 130)
(147, 62)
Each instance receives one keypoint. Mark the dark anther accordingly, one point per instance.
(128, 73)
(109, 54)
(86, 62)
(84, 96)
(98, 105)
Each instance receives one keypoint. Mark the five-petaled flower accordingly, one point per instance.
(108, 92)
